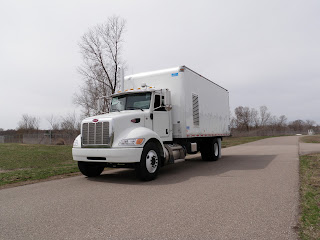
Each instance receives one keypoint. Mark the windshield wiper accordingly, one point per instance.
(131, 108)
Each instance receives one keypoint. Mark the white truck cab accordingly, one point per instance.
(158, 119)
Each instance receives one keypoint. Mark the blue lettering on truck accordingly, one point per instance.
(174, 74)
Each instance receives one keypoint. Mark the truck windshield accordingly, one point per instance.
(131, 102)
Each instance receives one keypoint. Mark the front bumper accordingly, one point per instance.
(112, 155)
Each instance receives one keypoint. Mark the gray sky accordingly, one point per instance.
(264, 52)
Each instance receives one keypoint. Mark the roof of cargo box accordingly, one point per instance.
(168, 70)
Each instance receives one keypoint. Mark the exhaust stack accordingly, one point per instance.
(122, 79)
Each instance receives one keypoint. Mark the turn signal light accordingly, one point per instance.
(131, 142)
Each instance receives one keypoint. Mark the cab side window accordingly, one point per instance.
(157, 103)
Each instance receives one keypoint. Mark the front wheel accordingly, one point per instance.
(90, 169)
(149, 165)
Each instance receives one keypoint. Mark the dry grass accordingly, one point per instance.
(310, 139)
(310, 196)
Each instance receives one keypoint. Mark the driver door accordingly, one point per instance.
(161, 118)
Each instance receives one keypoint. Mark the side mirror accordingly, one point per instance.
(167, 97)
(168, 107)
(101, 102)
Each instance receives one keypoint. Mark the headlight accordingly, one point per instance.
(131, 142)
(77, 142)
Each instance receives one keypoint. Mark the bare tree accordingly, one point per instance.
(297, 125)
(282, 121)
(243, 117)
(29, 123)
(280, 124)
(101, 49)
(272, 124)
(233, 124)
(264, 116)
(255, 120)
(54, 123)
(310, 124)
(70, 124)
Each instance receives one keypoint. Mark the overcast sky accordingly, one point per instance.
(264, 52)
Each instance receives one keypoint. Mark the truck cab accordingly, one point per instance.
(154, 106)
(138, 119)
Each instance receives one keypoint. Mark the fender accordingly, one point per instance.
(139, 132)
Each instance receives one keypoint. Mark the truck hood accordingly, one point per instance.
(120, 123)
(118, 115)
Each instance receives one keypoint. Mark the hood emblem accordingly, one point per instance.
(95, 120)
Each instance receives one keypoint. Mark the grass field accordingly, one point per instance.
(310, 196)
(233, 141)
(21, 162)
(310, 139)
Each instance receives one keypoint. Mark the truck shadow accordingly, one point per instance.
(192, 167)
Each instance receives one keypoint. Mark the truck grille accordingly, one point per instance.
(95, 134)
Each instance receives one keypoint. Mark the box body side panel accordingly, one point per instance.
(212, 102)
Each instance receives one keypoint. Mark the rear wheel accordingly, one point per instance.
(90, 169)
(210, 150)
(150, 161)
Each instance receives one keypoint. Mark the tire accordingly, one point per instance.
(90, 169)
(150, 161)
(210, 150)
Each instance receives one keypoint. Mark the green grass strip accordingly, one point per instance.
(310, 197)
(23, 162)
(233, 141)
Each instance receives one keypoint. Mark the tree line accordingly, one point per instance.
(62, 130)
(244, 120)
(28, 124)
(251, 121)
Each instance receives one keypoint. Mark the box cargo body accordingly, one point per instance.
(200, 108)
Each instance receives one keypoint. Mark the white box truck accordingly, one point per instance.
(156, 120)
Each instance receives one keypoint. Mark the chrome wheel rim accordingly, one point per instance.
(152, 161)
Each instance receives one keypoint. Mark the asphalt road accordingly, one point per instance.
(250, 193)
